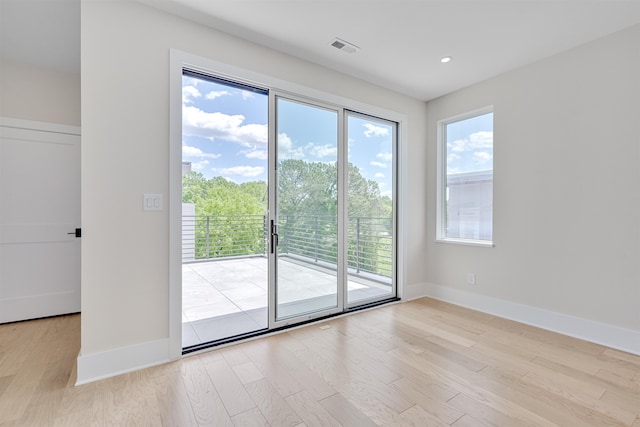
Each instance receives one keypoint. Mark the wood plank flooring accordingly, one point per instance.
(420, 363)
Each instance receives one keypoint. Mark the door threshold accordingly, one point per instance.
(199, 348)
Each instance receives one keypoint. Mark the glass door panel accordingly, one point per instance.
(224, 201)
(370, 231)
(306, 210)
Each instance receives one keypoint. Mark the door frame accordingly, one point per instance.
(178, 60)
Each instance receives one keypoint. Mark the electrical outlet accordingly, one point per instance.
(471, 278)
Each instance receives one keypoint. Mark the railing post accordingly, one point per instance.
(315, 247)
(358, 244)
(207, 236)
(265, 242)
(287, 234)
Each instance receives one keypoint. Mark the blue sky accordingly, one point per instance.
(225, 134)
(470, 144)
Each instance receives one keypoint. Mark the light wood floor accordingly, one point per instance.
(423, 363)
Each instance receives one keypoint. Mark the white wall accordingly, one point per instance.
(566, 191)
(125, 126)
(35, 93)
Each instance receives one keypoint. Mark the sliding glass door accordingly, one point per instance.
(224, 202)
(306, 282)
(333, 225)
(288, 209)
(371, 184)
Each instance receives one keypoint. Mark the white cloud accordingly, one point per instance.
(385, 156)
(286, 150)
(198, 166)
(256, 154)
(477, 140)
(216, 94)
(190, 81)
(378, 164)
(247, 94)
(379, 175)
(245, 171)
(322, 150)
(453, 171)
(284, 142)
(196, 122)
(452, 157)
(189, 93)
(188, 151)
(458, 146)
(482, 139)
(480, 157)
(373, 130)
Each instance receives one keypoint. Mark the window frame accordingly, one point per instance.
(441, 189)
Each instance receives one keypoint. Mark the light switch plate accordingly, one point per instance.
(152, 202)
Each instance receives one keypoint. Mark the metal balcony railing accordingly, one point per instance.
(311, 237)
(222, 236)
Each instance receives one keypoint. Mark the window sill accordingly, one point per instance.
(467, 242)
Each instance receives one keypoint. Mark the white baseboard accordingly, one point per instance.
(97, 366)
(601, 333)
(412, 291)
(37, 306)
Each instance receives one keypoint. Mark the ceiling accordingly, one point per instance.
(401, 41)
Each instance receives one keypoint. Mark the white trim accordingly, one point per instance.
(175, 206)
(468, 242)
(38, 306)
(401, 210)
(600, 333)
(106, 364)
(413, 291)
(10, 122)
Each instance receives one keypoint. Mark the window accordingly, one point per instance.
(465, 178)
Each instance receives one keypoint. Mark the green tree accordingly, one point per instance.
(229, 217)
(307, 207)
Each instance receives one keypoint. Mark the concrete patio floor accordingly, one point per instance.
(225, 298)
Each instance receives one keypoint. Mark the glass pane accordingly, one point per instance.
(307, 198)
(469, 182)
(224, 195)
(370, 208)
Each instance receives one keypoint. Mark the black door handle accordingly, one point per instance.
(78, 232)
(274, 237)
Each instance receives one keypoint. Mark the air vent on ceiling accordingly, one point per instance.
(344, 46)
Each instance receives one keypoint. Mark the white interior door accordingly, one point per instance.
(39, 214)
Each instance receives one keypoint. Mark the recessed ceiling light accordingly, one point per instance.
(446, 59)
